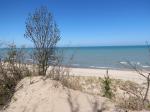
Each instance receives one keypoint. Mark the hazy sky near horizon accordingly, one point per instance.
(82, 22)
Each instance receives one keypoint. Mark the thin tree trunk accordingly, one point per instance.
(147, 89)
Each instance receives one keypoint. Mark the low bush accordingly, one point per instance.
(11, 71)
(106, 86)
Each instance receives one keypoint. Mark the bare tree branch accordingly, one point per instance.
(42, 30)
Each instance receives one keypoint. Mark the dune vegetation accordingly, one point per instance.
(46, 85)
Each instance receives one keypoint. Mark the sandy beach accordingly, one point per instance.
(115, 74)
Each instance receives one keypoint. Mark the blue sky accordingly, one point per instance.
(82, 22)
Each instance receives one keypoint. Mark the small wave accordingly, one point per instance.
(75, 64)
(138, 63)
(100, 67)
(92, 66)
(123, 62)
(132, 62)
(145, 66)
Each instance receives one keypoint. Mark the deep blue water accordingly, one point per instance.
(103, 57)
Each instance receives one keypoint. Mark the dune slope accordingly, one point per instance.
(50, 96)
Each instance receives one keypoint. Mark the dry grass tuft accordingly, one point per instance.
(131, 96)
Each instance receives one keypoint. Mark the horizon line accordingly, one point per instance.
(143, 45)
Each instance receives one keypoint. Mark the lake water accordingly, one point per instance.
(103, 57)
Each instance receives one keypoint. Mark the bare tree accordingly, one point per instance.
(42, 30)
(146, 76)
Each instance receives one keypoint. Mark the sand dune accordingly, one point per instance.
(51, 96)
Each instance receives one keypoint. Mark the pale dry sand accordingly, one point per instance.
(50, 96)
(115, 74)
(130, 75)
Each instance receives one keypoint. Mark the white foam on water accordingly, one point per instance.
(76, 64)
(100, 67)
(123, 62)
(138, 63)
(145, 66)
(92, 66)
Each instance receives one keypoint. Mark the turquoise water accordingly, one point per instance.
(104, 57)
(109, 56)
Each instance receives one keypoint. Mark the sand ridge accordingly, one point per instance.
(51, 96)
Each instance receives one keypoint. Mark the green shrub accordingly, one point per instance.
(106, 86)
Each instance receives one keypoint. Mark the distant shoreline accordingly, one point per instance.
(91, 46)
(101, 68)
(104, 68)
(114, 74)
